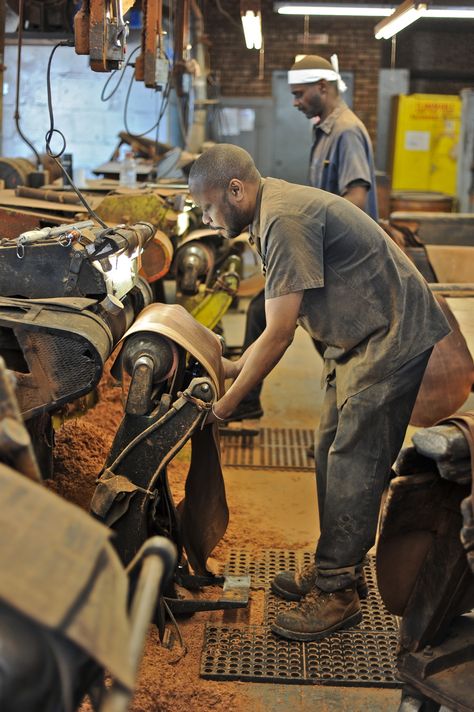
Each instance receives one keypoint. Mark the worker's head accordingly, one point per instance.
(224, 182)
(315, 84)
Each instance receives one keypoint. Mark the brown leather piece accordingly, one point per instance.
(448, 378)
(204, 514)
(406, 537)
(174, 322)
(156, 258)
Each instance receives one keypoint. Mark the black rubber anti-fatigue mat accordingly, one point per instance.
(361, 656)
(278, 448)
(255, 654)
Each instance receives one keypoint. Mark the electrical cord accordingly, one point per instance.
(52, 130)
(122, 74)
(226, 14)
(164, 105)
(176, 627)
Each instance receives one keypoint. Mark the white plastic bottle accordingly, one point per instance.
(128, 171)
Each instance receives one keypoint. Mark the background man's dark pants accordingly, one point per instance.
(355, 450)
(255, 326)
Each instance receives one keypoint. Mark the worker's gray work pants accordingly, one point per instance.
(355, 449)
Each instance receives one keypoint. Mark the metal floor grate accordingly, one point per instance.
(361, 656)
(283, 448)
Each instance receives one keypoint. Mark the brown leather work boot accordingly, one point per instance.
(293, 585)
(319, 614)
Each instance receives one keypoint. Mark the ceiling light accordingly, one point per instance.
(451, 13)
(404, 15)
(285, 8)
(334, 10)
(251, 17)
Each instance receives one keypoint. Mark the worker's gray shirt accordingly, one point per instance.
(363, 298)
(342, 153)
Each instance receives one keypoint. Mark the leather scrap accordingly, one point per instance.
(112, 497)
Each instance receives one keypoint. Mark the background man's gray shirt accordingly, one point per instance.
(363, 298)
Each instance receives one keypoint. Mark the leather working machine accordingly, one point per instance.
(69, 295)
(425, 565)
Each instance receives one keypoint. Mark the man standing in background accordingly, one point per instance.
(341, 159)
(341, 162)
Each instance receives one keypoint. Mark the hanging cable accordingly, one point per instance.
(18, 74)
(176, 627)
(122, 74)
(164, 105)
(52, 130)
(226, 14)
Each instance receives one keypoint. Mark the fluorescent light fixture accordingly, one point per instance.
(451, 13)
(334, 10)
(252, 24)
(285, 8)
(251, 17)
(404, 15)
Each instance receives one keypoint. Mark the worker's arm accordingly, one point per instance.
(233, 368)
(260, 358)
(357, 194)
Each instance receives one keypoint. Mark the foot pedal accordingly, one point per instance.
(235, 594)
(236, 589)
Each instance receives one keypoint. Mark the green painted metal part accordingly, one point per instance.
(210, 310)
(132, 208)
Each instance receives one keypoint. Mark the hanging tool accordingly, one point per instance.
(151, 65)
(100, 32)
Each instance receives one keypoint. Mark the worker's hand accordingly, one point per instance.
(230, 368)
(213, 416)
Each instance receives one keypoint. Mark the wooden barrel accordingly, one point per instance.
(414, 201)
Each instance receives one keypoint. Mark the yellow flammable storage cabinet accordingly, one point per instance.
(425, 136)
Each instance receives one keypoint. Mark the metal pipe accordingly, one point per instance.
(159, 558)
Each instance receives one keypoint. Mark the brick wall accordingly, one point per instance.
(237, 68)
(440, 53)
